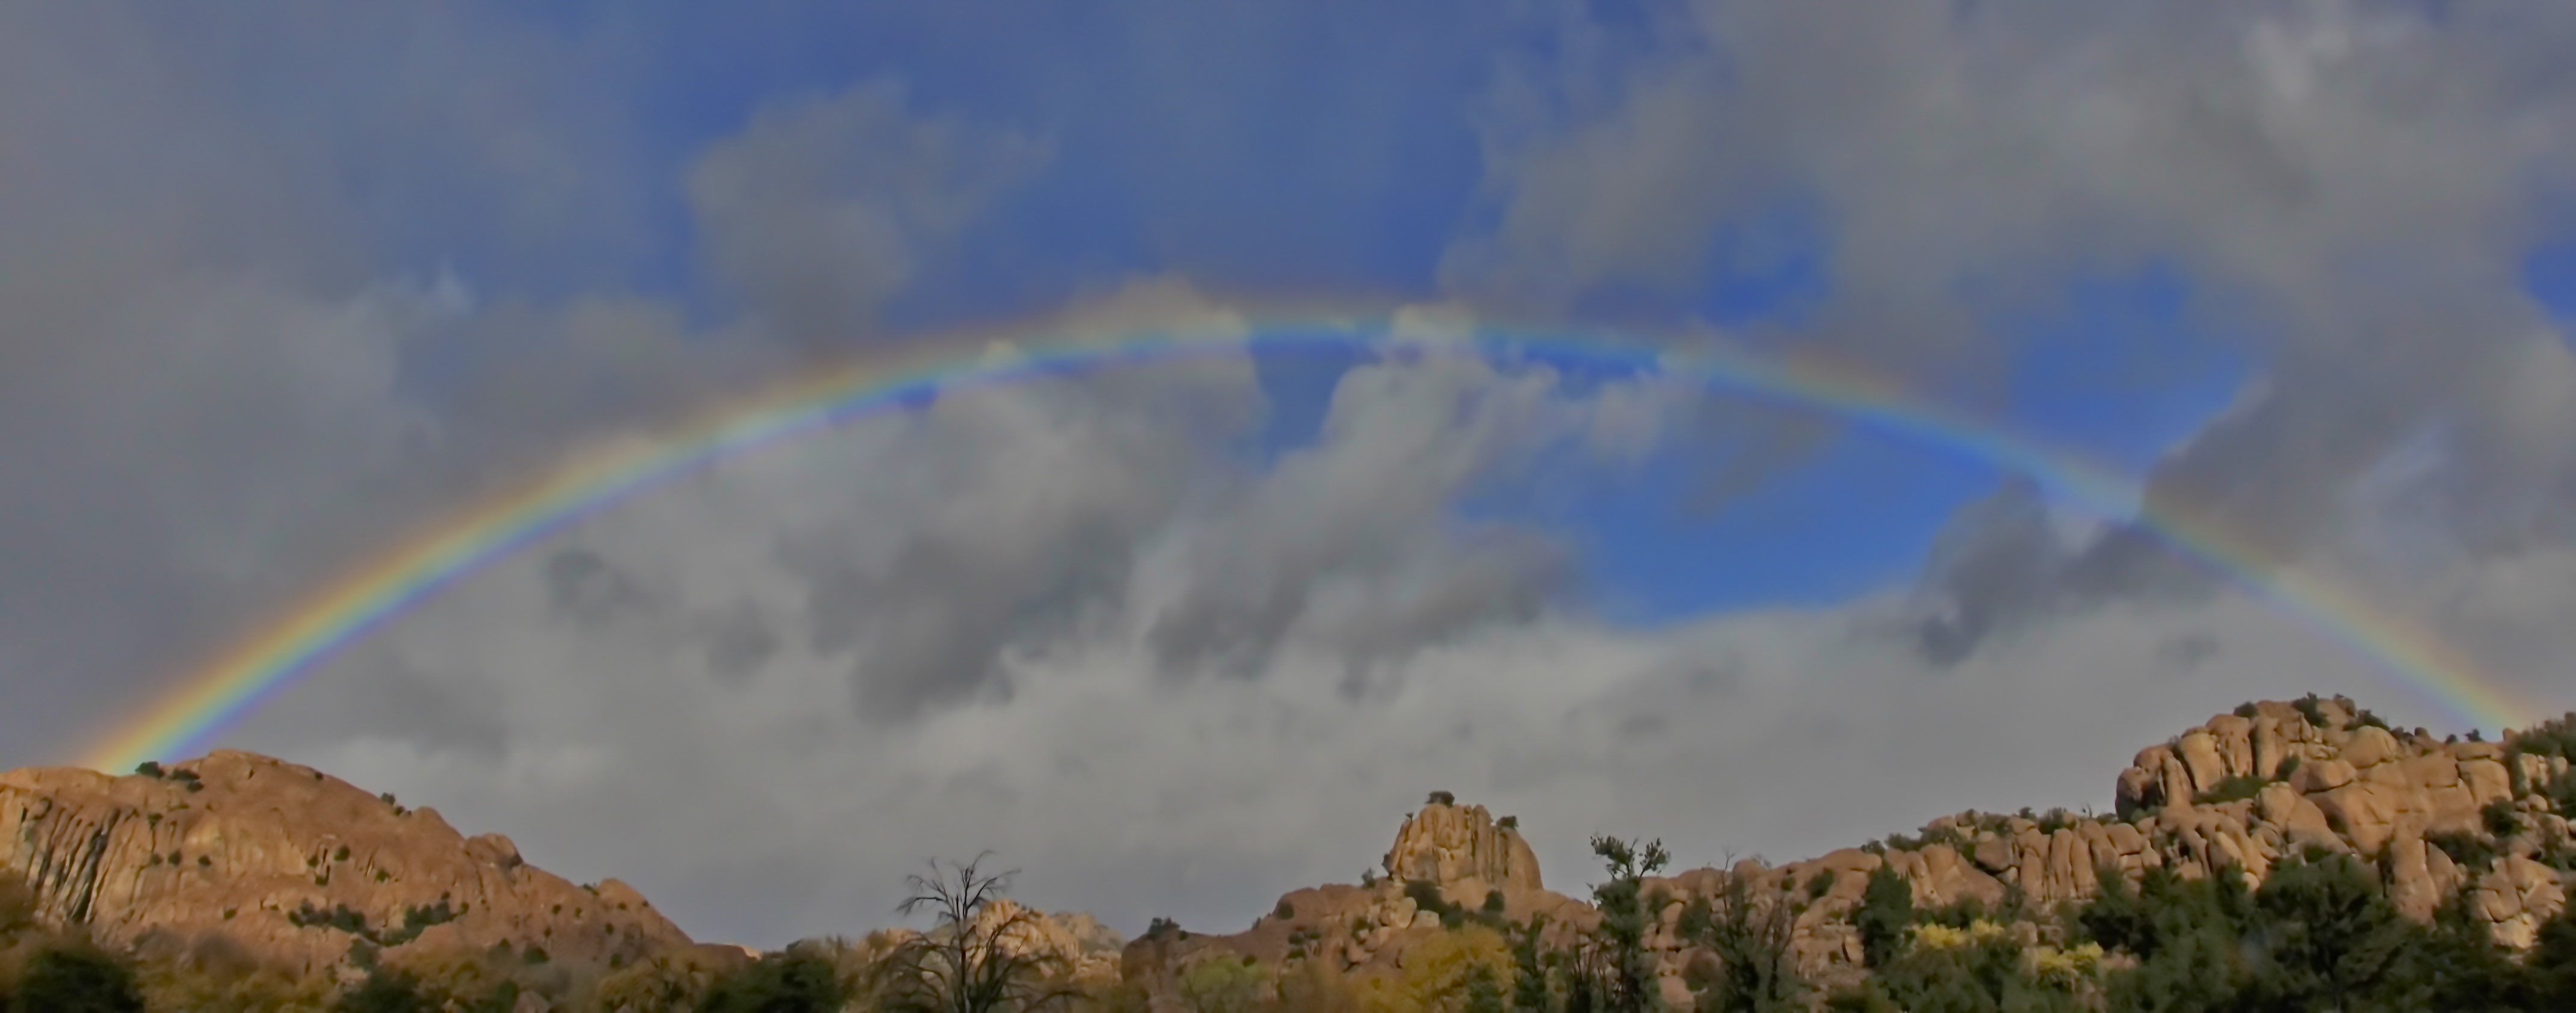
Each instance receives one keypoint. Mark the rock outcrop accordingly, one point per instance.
(2439, 819)
(296, 867)
(1447, 844)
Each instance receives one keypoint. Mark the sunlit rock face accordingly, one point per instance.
(297, 867)
(2235, 795)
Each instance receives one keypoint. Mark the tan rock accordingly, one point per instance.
(2486, 779)
(2269, 746)
(2318, 776)
(2371, 746)
(2198, 751)
(2128, 844)
(2431, 770)
(2137, 789)
(2412, 887)
(2300, 821)
(2235, 740)
(2362, 811)
(236, 845)
(1993, 854)
(1444, 843)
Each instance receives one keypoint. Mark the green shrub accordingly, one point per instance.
(387, 991)
(151, 769)
(2247, 710)
(78, 980)
(1284, 911)
(1494, 902)
(2309, 708)
(1441, 798)
(1509, 823)
(2499, 818)
(2471, 852)
(2233, 789)
(339, 917)
(778, 983)
(1820, 884)
(1886, 911)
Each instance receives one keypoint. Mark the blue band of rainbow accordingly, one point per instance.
(184, 719)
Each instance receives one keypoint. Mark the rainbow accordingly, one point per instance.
(183, 720)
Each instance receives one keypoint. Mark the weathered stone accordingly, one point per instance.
(1993, 854)
(236, 845)
(2269, 746)
(2321, 776)
(1443, 844)
(2486, 779)
(2198, 751)
(2370, 747)
(2362, 812)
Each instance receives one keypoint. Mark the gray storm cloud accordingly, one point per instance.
(2355, 180)
(993, 620)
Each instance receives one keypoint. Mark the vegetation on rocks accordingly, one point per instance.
(2293, 856)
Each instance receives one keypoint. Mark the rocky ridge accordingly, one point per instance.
(301, 870)
(2234, 795)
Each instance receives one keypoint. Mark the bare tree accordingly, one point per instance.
(971, 962)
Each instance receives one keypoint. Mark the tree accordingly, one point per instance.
(1886, 912)
(1624, 972)
(2331, 937)
(977, 958)
(1441, 972)
(1483, 994)
(1530, 993)
(1757, 969)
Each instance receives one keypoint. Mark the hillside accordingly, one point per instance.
(295, 868)
(289, 869)
(2433, 818)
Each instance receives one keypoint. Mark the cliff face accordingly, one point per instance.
(1447, 843)
(295, 866)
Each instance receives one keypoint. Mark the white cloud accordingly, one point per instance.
(767, 804)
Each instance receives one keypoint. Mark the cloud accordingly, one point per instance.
(252, 342)
(1133, 796)
(2354, 181)
(822, 209)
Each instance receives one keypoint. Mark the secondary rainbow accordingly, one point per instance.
(185, 718)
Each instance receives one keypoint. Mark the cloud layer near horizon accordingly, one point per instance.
(251, 335)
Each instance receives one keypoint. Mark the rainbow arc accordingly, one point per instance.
(191, 713)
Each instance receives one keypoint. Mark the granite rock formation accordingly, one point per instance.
(2236, 795)
(298, 868)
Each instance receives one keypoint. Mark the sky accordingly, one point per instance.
(283, 282)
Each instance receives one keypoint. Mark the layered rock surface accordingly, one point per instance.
(295, 866)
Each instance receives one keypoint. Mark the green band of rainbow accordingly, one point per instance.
(183, 720)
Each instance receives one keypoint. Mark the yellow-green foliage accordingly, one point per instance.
(1310, 987)
(1437, 971)
(2064, 968)
(264, 990)
(1224, 984)
(1935, 936)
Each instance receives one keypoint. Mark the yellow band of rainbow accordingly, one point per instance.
(186, 717)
